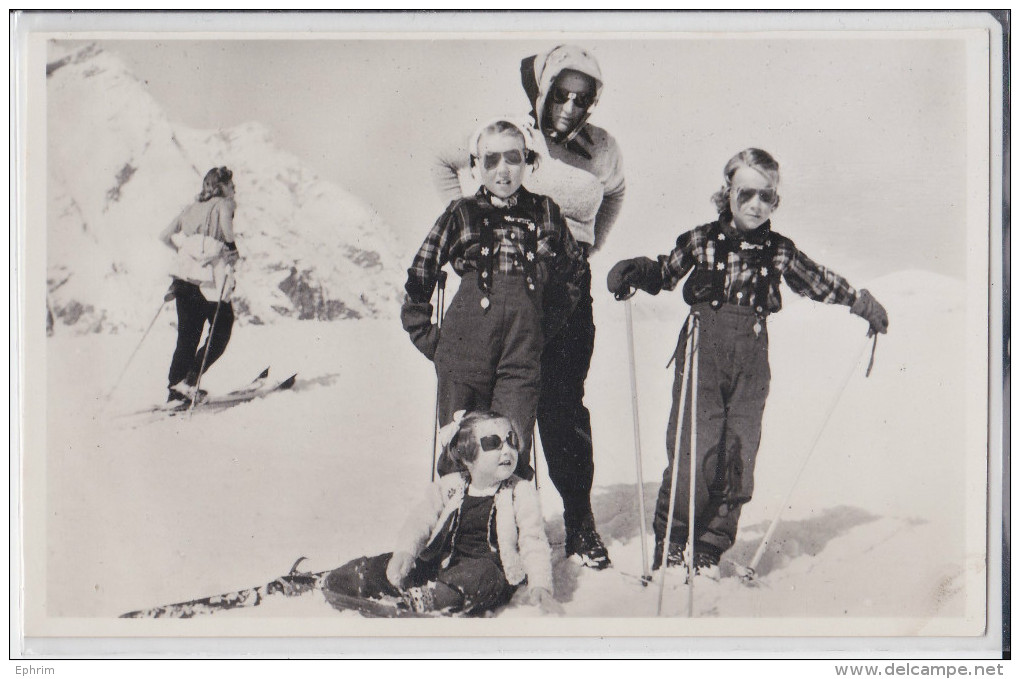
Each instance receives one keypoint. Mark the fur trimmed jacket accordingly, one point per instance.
(519, 531)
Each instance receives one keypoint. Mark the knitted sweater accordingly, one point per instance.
(201, 230)
(520, 535)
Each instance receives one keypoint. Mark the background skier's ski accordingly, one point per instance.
(228, 400)
(257, 388)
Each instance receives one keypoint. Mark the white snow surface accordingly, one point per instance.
(143, 512)
(119, 170)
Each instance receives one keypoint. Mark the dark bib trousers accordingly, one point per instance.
(471, 585)
(489, 358)
(193, 312)
(733, 384)
(564, 423)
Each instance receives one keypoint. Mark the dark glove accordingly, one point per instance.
(417, 321)
(868, 308)
(230, 254)
(639, 272)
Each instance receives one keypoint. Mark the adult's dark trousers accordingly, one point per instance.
(489, 358)
(564, 422)
(733, 384)
(193, 312)
(467, 584)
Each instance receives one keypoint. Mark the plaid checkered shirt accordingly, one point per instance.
(457, 239)
(747, 259)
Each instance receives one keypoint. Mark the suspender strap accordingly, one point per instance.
(766, 277)
(531, 246)
(488, 252)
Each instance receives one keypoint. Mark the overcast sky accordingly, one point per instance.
(869, 132)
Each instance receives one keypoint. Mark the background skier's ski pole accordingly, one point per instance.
(137, 347)
(689, 549)
(208, 344)
(637, 442)
(441, 303)
(676, 460)
(748, 572)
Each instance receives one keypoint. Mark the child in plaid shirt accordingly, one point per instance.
(736, 264)
(525, 266)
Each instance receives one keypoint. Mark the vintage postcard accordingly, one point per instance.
(265, 260)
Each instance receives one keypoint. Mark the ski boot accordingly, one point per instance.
(584, 542)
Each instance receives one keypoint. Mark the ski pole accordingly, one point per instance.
(637, 441)
(676, 459)
(208, 345)
(441, 301)
(137, 347)
(747, 573)
(689, 550)
(534, 450)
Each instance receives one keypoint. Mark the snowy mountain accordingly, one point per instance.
(119, 170)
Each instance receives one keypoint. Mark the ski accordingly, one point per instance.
(257, 388)
(217, 403)
(255, 384)
(293, 584)
(388, 607)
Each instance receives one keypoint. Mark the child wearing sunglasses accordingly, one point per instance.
(735, 265)
(582, 170)
(521, 270)
(476, 537)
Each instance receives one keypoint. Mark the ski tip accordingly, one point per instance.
(263, 375)
(289, 382)
(293, 569)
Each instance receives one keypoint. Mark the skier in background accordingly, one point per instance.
(203, 238)
(736, 263)
(582, 170)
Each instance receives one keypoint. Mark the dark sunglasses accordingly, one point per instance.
(494, 442)
(512, 157)
(767, 196)
(581, 99)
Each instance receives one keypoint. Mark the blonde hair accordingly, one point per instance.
(757, 160)
(501, 126)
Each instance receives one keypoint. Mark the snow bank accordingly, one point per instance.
(146, 512)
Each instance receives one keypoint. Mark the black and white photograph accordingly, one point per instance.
(685, 327)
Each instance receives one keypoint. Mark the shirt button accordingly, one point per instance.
(743, 267)
(512, 235)
(740, 295)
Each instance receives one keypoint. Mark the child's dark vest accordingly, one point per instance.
(530, 212)
(707, 282)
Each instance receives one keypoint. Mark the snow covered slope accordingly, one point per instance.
(119, 170)
(874, 538)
